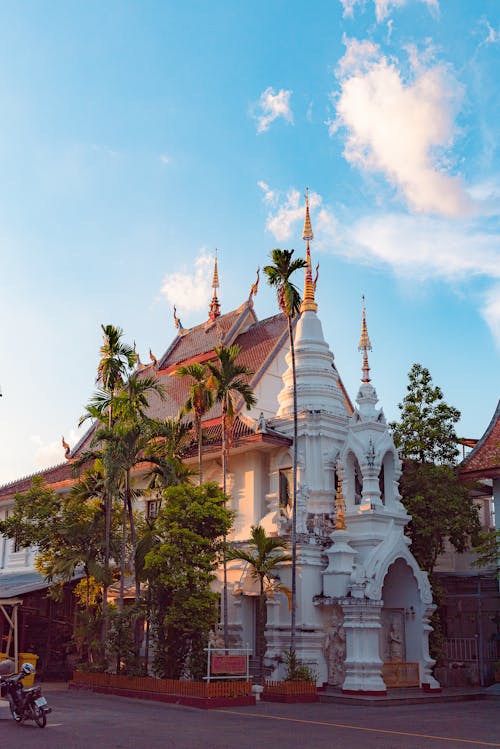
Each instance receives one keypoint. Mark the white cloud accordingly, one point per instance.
(48, 454)
(400, 127)
(415, 248)
(190, 292)
(383, 7)
(269, 195)
(164, 159)
(425, 248)
(273, 105)
(282, 219)
(491, 311)
(492, 34)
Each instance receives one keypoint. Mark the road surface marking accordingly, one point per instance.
(361, 728)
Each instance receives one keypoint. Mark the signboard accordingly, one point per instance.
(228, 664)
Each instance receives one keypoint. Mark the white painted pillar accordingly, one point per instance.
(363, 664)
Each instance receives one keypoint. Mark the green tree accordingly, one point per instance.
(263, 556)
(425, 432)
(229, 381)
(279, 277)
(67, 531)
(488, 550)
(180, 569)
(125, 444)
(200, 401)
(441, 506)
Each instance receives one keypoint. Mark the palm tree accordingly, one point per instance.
(229, 382)
(127, 440)
(278, 276)
(262, 557)
(165, 453)
(117, 359)
(200, 401)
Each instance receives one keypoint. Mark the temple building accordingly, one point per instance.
(363, 604)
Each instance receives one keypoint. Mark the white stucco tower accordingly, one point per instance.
(386, 600)
(362, 603)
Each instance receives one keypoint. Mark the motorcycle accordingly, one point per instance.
(26, 703)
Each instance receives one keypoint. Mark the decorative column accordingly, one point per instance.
(363, 665)
(427, 680)
(340, 554)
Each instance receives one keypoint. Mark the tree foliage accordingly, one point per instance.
(441, 506)
(180, 568)
(426, 430)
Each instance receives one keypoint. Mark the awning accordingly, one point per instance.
(14, 584)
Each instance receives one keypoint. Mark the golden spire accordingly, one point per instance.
(214, 309)
(308, 302)
(340, 502)
(365, 345)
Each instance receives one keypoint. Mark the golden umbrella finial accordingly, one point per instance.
(214, 309)
(340, 502)
(365, 345)
(308, 302)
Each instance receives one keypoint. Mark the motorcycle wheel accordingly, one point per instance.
(39, 716)
(17, 718)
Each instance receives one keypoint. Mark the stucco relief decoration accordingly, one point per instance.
(393, 636)
(335, 648)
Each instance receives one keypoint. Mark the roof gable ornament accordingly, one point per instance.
(309, 302)
(254, 288)
(214, 309)
(177, 322)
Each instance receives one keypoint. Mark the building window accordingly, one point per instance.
(285, 487)
(152, 509)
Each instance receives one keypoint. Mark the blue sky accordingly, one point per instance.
(137, 137)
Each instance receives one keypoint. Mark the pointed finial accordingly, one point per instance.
(254, 287)
(307, 234)
(153, 359)
(214, 309)
(66, 447)
(308, 302)
(340, 502)
(177, 322)
(215, 278)
(365, 345)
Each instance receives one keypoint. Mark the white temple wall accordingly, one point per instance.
(267, 389)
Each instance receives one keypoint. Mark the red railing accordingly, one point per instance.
(289, 687)
(164, 686)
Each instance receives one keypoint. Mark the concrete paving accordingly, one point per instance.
(82, 720)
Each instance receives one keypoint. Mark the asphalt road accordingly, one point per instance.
(83, 720)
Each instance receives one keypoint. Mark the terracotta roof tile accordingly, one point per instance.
(485, 457)
(53, 475)
(202, 338)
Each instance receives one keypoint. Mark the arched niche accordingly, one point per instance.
(353, 480)
(387, 478)
(401, 617)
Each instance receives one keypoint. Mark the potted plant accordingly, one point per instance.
(298, 685)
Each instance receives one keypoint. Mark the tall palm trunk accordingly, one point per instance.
(224, 558)
(138, 628)
(261, 625)
(108, 500)
(200, 450)
(293, 630)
